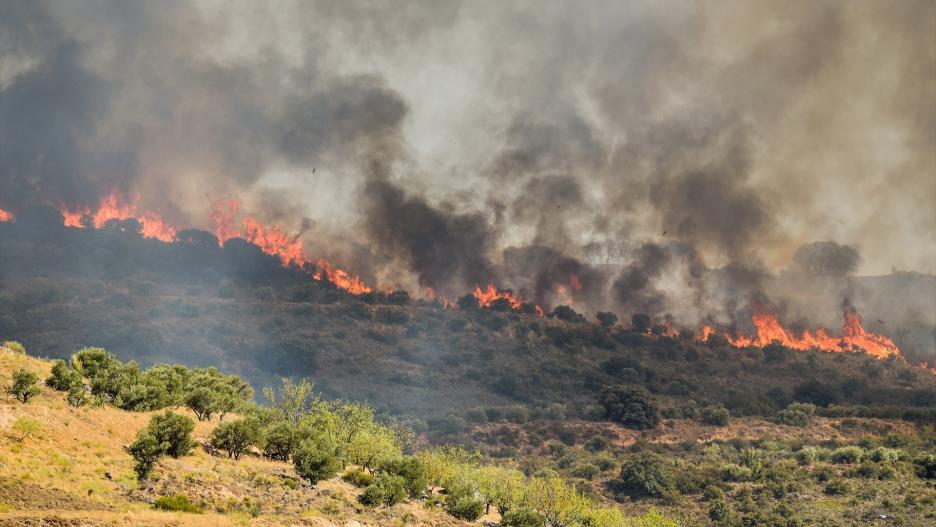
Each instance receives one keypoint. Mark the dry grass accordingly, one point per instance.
(75, 472)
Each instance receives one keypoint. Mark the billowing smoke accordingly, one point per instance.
(670, 156)
(827, 258)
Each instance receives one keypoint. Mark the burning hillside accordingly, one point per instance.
(854, 338)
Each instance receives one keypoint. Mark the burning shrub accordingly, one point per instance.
(630, 406)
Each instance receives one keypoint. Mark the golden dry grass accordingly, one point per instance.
(75, 472)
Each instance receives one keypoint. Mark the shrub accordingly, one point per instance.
(885, 455)
(606, 319)
(177, 503)
(145, 451)
(77, 396)
(796, 414)
(62, 377)
(715, 415)
(173, 432)
(848, 454)
(926, 466)
(358, 478)
(641, 323)
(235, 437)
(279, 441)
(735, 473)
(586, 471)
(523, 517)
(464, 506)
(596, 444)
(316, 459)
(25, 427)
(836, 487)
(387, 489)
(14, 346)
(24, 385)
(807, 455)
(646, 474)
(630, 406)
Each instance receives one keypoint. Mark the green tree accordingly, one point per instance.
(631, 406)
(523, 517)
(500, 486)
(63, 378)
(279, 440)
(561, 504)
(202, 400)
(316, 459)
(411, 469)
(92, 361)
(293, 399)
(372, 447)
(77, 396)
(173, 432)
(236, 436)
(24, 385)
(647, 474)
(146, 450)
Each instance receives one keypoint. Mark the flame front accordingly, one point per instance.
(6, 215)
(114, 207)
(854, 337)
(273, 241)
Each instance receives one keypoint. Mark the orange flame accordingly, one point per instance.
(114, 207)
(5, 216)
(854, 337)
(273, 241)
(491, 293)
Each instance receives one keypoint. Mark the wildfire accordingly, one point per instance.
(487, 296)
(114, 207)
(5, 216)
(854, 337)
(273, 241)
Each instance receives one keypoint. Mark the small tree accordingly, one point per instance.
(500, 486)
(387, 489)
(203, 401)
(63, 378)
(173, 432)
(145, 450)
(236, 436)
(316, 459)
(523, 517)
(279, 441)
(77, 396)
(24, 385)
(631, 406)
(412, 470)
(293, 400)
(606, 319)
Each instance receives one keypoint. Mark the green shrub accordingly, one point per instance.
(523, 517)
(14, 346)
(359, 478)
(234, 437)
(715, 415)
(173, 432)
(847, 454)
(796, 414)
(412, 470)
(631, 406)
(464, 506)
(596, 444)
(925, 466)
(886, 455)
(735, 473)
(177, 503)
(807, 455)
(586, 471)
(605, 463)
(837, 487)
(63, 378)
(387, 489)
(77, 396)
(145, 451)
(25, 427)
(646, 474)
(24, 385)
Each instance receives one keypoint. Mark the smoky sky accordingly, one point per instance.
(430, 138)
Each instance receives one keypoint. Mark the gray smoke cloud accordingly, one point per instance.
(636, 145)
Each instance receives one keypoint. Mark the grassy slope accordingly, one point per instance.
(59, 477)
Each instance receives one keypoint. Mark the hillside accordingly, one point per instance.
(238, 310)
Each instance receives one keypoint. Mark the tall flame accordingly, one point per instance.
(488, 295)
(273, 241)
(6, 215)
(854, 337)
(115, 207)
